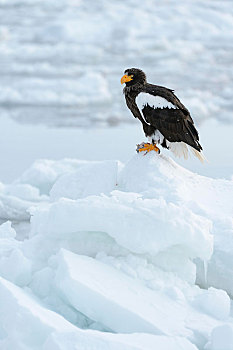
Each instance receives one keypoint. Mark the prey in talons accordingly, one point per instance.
(147, 147)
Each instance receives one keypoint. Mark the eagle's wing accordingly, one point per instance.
(164, 111)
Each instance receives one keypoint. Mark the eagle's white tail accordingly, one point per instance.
(198, 154)
(181, 149)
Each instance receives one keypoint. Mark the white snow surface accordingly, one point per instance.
(66, 57)
(119, 256)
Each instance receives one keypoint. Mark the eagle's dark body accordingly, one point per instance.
(161, 111)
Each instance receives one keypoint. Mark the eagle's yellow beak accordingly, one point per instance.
(126, 78)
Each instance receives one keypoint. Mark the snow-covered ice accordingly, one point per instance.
(116, 248)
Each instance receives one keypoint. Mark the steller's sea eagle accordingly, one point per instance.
(165, 120)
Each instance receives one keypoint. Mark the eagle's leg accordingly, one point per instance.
(147, 147)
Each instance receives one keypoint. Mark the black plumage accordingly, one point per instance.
(162, 112)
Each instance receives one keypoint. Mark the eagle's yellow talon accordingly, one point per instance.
(147, 147)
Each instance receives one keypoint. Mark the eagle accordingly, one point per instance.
(165, 120)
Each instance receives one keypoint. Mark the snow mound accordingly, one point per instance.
(117, 248)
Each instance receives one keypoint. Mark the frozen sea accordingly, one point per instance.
(61, 61)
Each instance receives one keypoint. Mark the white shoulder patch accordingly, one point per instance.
(153, 101)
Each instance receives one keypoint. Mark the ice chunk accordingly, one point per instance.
(91, 179)
(26, 325)
(69, 341)
(6, 231)
(221, 338)
(16, 268)
(13, 208)
(24, 319)
(110, 297)
(41, 282)
(23, 191)
(15, 199)
(43, 173)
(140, 225)
(215, 302)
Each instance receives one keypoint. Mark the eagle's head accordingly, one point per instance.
(133, 76)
